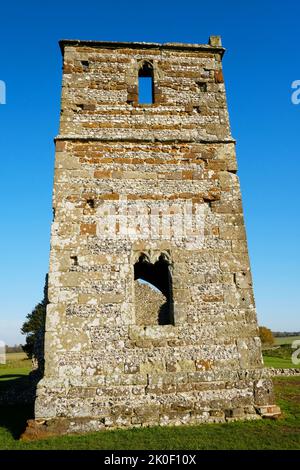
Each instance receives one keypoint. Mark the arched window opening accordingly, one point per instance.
(146, 86)
(153, 292)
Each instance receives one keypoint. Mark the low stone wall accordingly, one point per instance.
(272, 372)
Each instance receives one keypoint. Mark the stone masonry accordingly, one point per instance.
(193, 355)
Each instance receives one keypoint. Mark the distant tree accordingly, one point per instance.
(35, 323)
(14, 349)
(281, 334)
(266, 335)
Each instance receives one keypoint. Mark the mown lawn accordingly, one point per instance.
(264, 434)
(279, 357)
(17, 367)
(278, 362)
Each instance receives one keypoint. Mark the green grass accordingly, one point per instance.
(279, 357)
(278, 362)
(264, 434)
(17, 366)
(10, 373)
(16, 361)
(286, 339)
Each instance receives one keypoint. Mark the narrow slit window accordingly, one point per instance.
(146, 84)
(74, 260)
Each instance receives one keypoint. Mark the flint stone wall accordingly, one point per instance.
(103, 368)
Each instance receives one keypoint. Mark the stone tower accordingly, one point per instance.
(151, 317)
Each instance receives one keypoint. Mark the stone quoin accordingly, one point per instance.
(151, 317)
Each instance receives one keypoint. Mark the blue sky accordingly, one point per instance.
(262, 60)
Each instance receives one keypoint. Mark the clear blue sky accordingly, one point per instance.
(262, 60)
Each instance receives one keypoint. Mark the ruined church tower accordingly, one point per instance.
(151, 319)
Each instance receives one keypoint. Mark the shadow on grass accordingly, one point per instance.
(11, 376)
(17, 394)
(14, 418)
(15, 382)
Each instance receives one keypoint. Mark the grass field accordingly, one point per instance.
(265, 434)
(280, 356)
(286, 339)
(17, 365)
(16, 360)
(278, 362)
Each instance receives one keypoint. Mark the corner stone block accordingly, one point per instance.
(60, 146)
(263, 392)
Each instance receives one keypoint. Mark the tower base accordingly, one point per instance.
(191, 404)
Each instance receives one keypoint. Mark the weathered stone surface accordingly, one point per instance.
(271, 372)
(112, 357)
(148, 303)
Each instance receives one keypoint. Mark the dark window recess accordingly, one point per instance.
(202, 86)
(74, 260)
(91, 203)
(86, 106)
(156, 276)
(85, 64)
(146, 87)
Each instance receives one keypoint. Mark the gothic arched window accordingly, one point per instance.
(153, 292)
